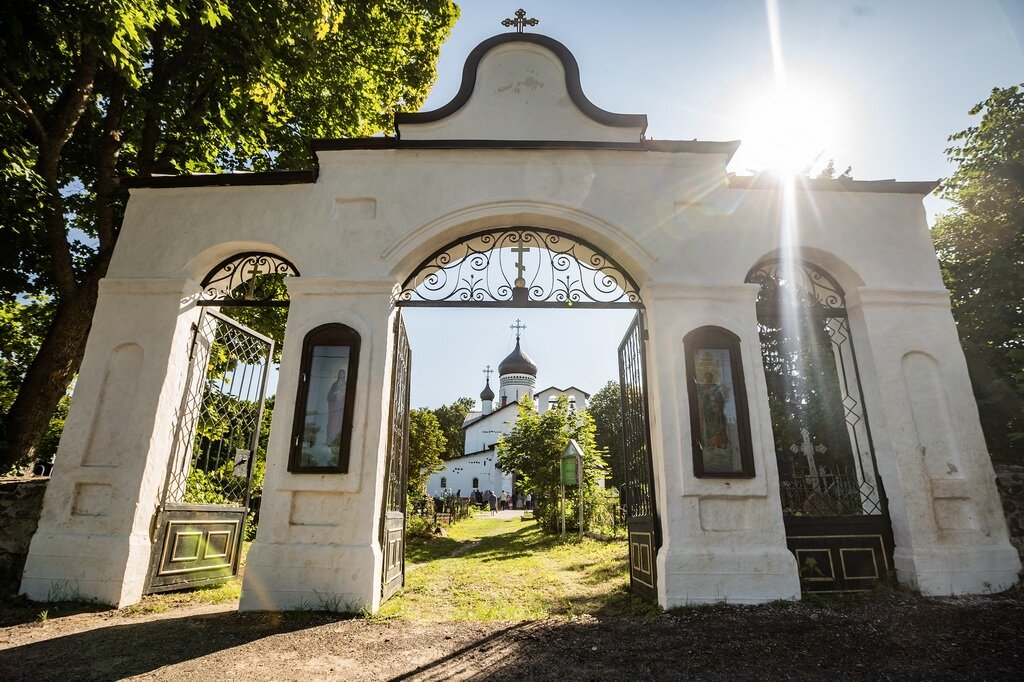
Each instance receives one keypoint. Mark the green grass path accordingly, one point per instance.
(491, 568)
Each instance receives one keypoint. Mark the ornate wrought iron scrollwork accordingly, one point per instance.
(782, 282)
(520, 267)
(235, 281)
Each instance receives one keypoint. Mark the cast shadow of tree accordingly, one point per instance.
(119, 651)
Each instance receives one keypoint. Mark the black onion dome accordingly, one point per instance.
(487, 393)
(517, 363)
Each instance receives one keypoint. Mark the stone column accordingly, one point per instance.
(93, 540)
(317, 545)
(947, 521)
(723, 539)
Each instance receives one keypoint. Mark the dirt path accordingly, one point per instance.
(883, 636)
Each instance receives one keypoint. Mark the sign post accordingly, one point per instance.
(572, 474)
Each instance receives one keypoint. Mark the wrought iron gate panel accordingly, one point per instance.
(834, 505)
(524, 267)
(200, 523)
(638, 485)
(392, 528)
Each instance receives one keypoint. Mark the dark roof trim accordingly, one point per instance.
(834, 185)
(670, 146)
(572, 83)
(563, 390)
(295, 177)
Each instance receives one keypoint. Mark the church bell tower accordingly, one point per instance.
(517, 374)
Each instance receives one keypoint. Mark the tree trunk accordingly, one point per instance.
(50, 373)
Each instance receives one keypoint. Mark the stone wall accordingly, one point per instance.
(21, 501)
(1010, 481)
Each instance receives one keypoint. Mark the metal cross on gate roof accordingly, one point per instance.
(520, 21)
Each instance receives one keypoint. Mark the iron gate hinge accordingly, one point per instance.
(195, 339)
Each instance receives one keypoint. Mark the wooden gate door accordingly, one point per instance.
(200, 523)
(392, 527)
(638, 486)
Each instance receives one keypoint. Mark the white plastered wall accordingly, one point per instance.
(93, 539)
(317, 544)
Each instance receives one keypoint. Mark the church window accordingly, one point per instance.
(322, 431)
(444, 482)
(822, 442)
(719, 421)
(476, 482)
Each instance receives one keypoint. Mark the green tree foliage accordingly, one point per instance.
(534, 450)
(91, 92)
(22, 328)
(450, 417)
(605, 407)
(980, 243)
(426, 445)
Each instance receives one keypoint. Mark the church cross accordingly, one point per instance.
(250, 292)
(518, 326)
(807, 449)
(519, 251)
(488, 371)
(520, 21)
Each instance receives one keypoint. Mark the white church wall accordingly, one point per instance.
(484, 433)
(546, 398)
(458, 475)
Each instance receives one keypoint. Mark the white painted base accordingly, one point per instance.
(974, 570)
(752, 576)
(296, 576)
(65, 566)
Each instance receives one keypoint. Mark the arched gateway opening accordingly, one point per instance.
(207, 503)
(524, 268)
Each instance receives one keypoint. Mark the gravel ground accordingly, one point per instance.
(894, 636)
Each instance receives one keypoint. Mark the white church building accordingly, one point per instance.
(477, 469)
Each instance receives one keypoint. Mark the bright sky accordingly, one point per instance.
(877, 85)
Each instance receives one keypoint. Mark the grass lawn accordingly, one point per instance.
(496, 569)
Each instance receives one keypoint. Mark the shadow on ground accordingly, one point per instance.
(136, 648)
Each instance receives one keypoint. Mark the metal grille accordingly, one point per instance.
(218, 427)
(242, 280)
(638, 493)
(520, 267)
(821, 436)
(398, 443)
(833, 504)
(638, 487)
(392, 525)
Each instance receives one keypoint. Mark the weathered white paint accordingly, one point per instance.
(674, 224)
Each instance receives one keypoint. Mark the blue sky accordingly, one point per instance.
(883, 84)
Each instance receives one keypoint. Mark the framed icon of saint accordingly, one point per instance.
(719, 421)
(322, 433)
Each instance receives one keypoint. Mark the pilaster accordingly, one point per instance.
(93, 540)
(723, 538)
(947, 520)
(317, 545)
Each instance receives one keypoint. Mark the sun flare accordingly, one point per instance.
(788, 129)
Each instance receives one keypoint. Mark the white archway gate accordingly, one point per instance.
(519, 140)
(532, 267)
